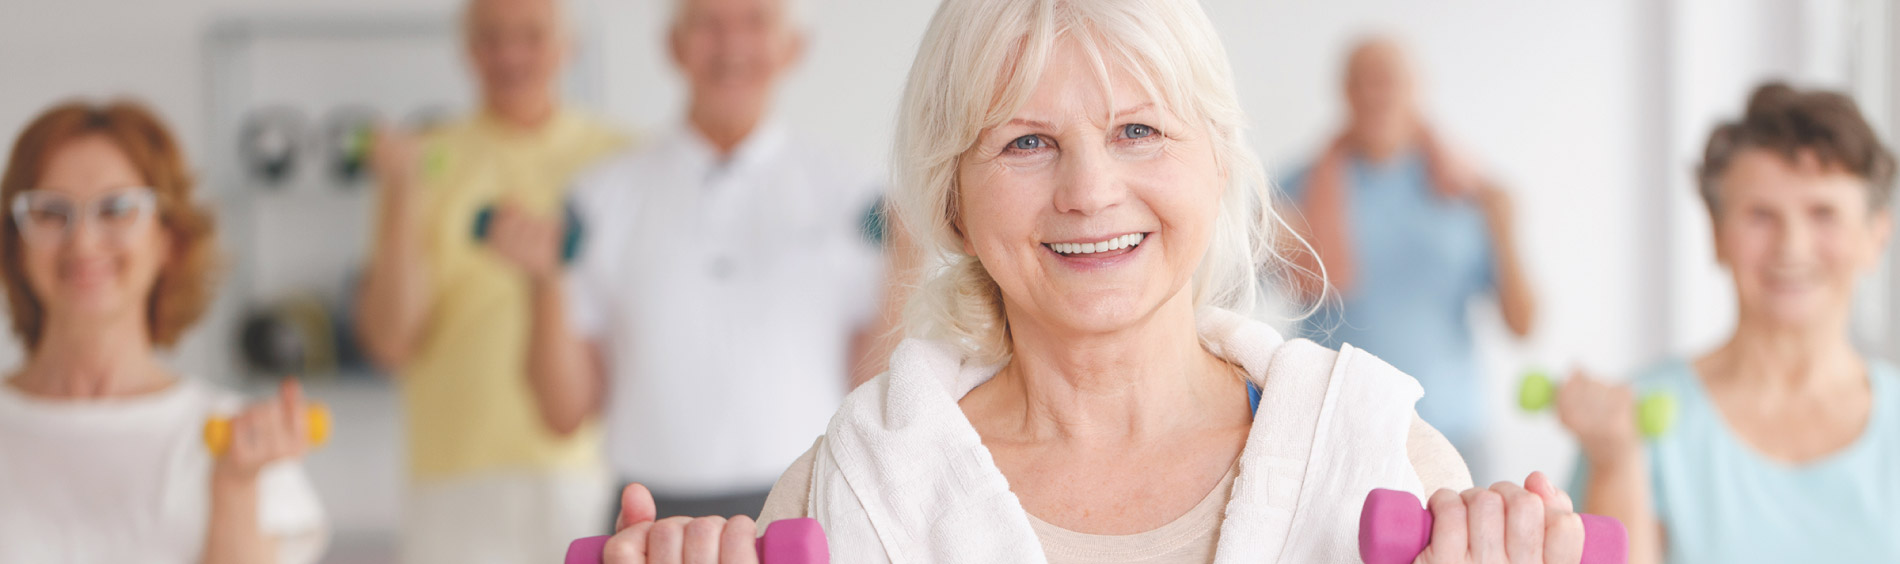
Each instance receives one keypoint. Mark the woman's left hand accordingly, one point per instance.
(1505, 523)
(265, 432)
(638, 539)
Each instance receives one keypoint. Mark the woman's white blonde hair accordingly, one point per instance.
(979, 62)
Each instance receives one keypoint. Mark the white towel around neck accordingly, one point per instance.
(902, 477)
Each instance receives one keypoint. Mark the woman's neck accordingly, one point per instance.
(1786, 361)
(75, 361)
(1140, 383)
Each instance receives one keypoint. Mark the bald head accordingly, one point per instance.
(1378, 78)
(484, 11)
(1379, 95)
(518, 49)
(789, 12)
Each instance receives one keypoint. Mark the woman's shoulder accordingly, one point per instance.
(1673, 374)
(1883, 370)
(792, 493)
(1884, 377)
(1437, 462)
(213, 397)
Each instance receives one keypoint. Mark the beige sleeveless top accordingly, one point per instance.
(1189, 538)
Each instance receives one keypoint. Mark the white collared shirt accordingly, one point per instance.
(724, 294)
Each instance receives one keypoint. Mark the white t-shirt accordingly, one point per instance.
(724, 294)
(129, 480)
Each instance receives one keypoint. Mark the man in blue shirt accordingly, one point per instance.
(1407, 236)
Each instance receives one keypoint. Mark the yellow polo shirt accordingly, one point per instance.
(469, 406)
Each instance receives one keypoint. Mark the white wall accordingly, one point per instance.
(1571, 104)
(1557, 99)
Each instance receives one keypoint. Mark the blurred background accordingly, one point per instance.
(1591, 113)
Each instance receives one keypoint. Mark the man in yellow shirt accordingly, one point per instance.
(488, 481)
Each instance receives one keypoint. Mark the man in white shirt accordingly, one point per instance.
(724, 278)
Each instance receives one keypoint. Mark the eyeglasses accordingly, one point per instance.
(47, 217)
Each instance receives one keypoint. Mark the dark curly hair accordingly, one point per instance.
(1790, 122)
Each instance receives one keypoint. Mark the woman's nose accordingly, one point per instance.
(1794, 240)
(85, 233)
(1087, 182)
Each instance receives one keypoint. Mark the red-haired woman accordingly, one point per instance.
(105, 260)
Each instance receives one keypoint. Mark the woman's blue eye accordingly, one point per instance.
(1026, 143)
(1137, 131)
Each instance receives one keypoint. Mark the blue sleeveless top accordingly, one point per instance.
(1721, 501)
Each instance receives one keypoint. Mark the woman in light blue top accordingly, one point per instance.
(1786, 446)
(1408, 234)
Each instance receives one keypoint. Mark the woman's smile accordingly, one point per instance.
(87, 273)
(1093, 252)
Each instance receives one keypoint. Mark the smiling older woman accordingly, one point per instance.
(1786, 446)
(1079, 387)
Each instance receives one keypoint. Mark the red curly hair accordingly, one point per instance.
(186, 284)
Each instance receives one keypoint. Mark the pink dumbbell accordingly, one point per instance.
(787, 541)
(1394, 528)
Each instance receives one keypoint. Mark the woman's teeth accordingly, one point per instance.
(1115, 244)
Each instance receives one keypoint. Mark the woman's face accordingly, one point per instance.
(1088, 223)
(97, 269)
(1796, 236)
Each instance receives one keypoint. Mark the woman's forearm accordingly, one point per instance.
(1620, 488)
(1322, 222)
(564, 371)
(394, 300)
(232, 535)
(1516, 301)
(1302, 248)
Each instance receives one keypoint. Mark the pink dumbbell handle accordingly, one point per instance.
(789, 541)
(1394, 528)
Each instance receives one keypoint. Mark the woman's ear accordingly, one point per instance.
(676, 46)
(956, 226)
(795, 51)
(168, 250)
(1715, 236)
(1882, 226)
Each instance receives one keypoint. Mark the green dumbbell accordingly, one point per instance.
(1655, 411)
(435, 162)
(351, 136)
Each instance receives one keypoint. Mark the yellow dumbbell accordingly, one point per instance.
(316, 424)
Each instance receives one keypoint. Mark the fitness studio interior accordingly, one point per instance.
(1588, 119)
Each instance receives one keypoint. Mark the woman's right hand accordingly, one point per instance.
(265, 432)
(1505, 523)
(639, 539)
(1602, 415)
(395, 156)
